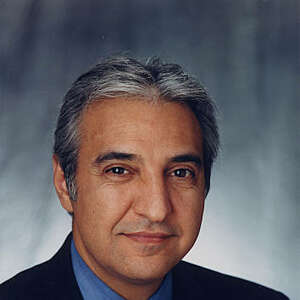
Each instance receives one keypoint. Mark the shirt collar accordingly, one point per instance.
(93, 288)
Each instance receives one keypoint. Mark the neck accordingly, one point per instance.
(133, 291)
(128, 288)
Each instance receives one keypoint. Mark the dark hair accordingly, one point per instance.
(124, 76)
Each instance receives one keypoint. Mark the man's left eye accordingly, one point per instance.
(183, 173)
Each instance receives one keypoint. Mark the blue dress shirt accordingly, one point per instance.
(92, 288)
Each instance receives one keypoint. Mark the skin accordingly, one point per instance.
(136, 215)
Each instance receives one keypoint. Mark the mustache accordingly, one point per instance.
(146, 225)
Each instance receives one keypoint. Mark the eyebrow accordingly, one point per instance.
(131, 157)
(114, 155)
(188, 158)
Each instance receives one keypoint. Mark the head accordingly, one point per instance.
(126, 77)
(134, 147)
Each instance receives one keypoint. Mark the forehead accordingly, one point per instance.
(138, 125)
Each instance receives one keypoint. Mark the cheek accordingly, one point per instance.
(188, 206)
(103, 204)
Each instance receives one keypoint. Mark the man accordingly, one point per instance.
(134, 148)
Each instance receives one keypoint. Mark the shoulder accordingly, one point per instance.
(53, 279)
(29, 283)
(192, 280)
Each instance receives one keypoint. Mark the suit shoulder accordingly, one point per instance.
(40, 276)
(213, 284)
(53, 279)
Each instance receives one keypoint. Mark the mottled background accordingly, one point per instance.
(245, 52)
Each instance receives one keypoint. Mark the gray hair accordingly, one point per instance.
(124, 76)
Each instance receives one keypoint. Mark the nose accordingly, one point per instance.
(153, 200)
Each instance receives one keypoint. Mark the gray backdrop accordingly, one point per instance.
(245, 52)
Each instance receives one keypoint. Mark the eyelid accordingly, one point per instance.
(187, 165)
(116, 167)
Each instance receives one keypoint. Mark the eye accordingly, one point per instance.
(183, 173)
(117, 171)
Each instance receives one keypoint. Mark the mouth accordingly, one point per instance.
(148, 237)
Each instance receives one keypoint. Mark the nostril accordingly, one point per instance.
(155, 207)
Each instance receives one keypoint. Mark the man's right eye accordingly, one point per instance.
(117, 171)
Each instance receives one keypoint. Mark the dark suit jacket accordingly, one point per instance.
(55, 280)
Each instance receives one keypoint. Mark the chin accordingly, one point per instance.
(141, 272)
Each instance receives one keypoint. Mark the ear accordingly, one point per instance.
(61, 186)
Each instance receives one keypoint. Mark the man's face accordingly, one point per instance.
(141, 188)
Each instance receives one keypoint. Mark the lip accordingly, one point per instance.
(148, 237)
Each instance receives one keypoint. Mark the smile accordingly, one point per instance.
(148, 237)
